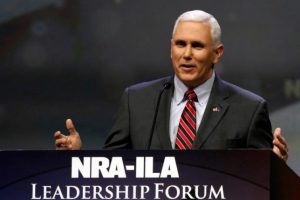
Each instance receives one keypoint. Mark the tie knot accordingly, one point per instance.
(190, 95)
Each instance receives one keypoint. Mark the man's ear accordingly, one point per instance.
(218, 53)
(171, 41)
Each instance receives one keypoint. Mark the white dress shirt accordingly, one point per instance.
(177, 104)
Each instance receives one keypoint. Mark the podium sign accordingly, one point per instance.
(128, 174)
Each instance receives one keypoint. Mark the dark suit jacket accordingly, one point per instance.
(234, 118)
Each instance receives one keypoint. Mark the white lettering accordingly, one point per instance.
(169, 168)
(75, 192)
(58, 193)
(97, 192)
(119, 191)
(177, 192)
(109, 189)
(100, 164)
(84, 168)
(144, 189)
(216, 195)
(117, 168)
(47, 192)
(204, 192)
(94, 167)
(140, 167)
(33, 192)
(149, 168)
(186, 191)
(86, 192)
(158, 190)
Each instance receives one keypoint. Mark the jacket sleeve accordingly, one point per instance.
(119, 136)
(260, 130)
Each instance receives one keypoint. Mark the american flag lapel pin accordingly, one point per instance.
(216, 109)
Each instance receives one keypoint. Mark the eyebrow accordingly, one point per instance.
(194, 43)
(179, 41)
(197, 44)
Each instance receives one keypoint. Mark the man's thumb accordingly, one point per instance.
(70, 126)
(277, 132)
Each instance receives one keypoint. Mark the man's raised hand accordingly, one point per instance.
(71, 141)
(280, 147)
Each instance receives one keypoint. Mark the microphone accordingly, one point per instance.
(166, 86)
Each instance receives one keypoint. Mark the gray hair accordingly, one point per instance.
(201, 16)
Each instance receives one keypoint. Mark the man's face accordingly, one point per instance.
(193, 53)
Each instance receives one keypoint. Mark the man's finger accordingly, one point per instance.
(61, 142)
(70, 126)
(281, 139)
(58, 135)
(61, 148)
(280, 149)
(278, 136)
(280, 146)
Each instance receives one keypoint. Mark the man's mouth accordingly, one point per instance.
(187, 67)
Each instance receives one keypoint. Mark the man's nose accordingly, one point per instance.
(188, 53)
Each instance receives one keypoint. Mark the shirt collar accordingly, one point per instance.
(201, 91)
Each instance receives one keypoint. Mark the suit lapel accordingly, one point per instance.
(163, 117)
(215, 109)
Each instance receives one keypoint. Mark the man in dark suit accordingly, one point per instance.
(195, 108)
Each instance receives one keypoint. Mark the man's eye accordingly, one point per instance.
(180, 43)
(197, 45)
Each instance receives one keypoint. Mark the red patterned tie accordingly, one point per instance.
(187, 125)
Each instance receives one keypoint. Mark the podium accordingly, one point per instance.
(203, 174)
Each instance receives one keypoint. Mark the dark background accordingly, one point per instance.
(73, 58)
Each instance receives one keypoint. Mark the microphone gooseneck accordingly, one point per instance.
(166, 86)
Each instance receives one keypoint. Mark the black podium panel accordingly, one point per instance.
(127, 174)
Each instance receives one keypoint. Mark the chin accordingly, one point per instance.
(190, 83)
(187, 78)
